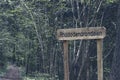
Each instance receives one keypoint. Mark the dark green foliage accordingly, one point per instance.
(28, 36)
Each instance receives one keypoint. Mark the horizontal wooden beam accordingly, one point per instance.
(81, 33)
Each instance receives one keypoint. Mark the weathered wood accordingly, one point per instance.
(81, 33)
(100, 59)
(66, 62)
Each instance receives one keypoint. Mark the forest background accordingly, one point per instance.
(28, 37)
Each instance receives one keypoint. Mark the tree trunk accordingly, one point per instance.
(115, 70)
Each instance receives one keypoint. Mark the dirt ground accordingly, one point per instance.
(12, 73)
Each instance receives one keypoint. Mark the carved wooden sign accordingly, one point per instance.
(81, 33)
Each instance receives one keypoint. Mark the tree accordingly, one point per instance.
(28, 35)
(115, 70)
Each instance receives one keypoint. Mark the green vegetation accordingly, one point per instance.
(28, 37)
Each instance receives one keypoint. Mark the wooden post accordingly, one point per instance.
(100, 59)
(66, 62)
(83, 33)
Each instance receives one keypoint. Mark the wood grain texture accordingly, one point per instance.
(100, 59)
(81, 33)
(66, 62)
